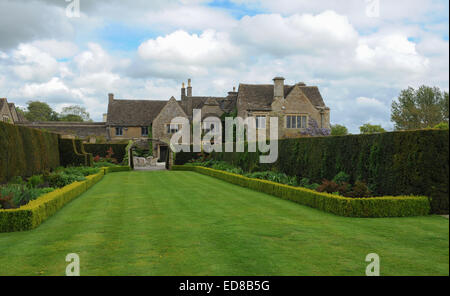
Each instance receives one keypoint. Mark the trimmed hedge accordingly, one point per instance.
(37, 211)
(72, 153)
(116, 169)
(101, 150)
(26, 151)
(394, 163)
(376, 207)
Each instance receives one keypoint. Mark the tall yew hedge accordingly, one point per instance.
(394, 163)
(72, 153)
(26, 151)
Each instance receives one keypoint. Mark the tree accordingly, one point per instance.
(371, 129)
(74, 113)
(442, 126)
(338, 130)
(40, 111)
(421, 108)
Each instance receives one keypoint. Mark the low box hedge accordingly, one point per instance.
(37, 211)
(116, 169)
(376, 207)
(394, 163)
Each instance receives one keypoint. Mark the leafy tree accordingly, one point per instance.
(40, 111)
(74, 113)
(421, 108)
(338, 130)
(371, 129)
(442, 125)
(71, 117)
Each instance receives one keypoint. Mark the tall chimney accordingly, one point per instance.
(183, 91)
(105, 117)
(278, 88)
(189, 88)
(110, 98)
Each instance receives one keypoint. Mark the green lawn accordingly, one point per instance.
(184, 223)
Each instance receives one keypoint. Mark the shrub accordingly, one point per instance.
(59, 179)
(101, 150)
(72, 153)
(360, 190)
(14, 195)
(35, 181)
(26, 151)
(101, 164)
(328, 186)
(393, 163)
(17, 180)
(386, 206)
(341, 177)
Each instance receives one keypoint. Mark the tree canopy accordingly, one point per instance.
(74, 113)
(338, 130)
(40, 111)
(425, 107)
(371, 129)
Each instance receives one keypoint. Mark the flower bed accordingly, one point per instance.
(385, 206)
(32, 214)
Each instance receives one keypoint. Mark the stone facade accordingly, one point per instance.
(294, 105)
(161, 125)
(299, 103)
(8, 112)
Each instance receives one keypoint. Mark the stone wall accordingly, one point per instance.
(82, 130)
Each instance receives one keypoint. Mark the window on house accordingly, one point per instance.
(5, 118)
(119, 131)
(296, 121)
(172, 128)
(261, 121)
(144, 131)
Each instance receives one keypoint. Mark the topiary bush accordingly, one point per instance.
(26, 151)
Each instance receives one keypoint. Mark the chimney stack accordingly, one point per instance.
(110, 98)
(189, 88)
(278, 88)
(105, 117)
(183, 91)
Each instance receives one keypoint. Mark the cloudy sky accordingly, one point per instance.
(360, 53)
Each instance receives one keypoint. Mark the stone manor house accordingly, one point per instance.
(296, 106)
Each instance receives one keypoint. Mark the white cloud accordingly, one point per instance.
(54, 90)
(359, 63)
(305, 33)
(391, 52)
(180, 47)
(32, 64)
(57, 49)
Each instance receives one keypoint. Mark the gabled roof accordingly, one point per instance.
(133, 112)
(260, 96)
(227, 104)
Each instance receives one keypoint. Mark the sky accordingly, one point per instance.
(360, 53)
